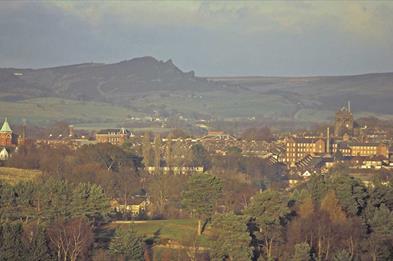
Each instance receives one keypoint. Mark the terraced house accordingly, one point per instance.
(113, 136)
(299, 148)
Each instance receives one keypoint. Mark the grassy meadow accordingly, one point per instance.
(221, 104)
(161, 232)
(46, 110)
(14, 175)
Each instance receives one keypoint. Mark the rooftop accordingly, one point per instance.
(6, 127)
(117, 131)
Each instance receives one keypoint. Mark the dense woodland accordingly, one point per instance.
(241, 205)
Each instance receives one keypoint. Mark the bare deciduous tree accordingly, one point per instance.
(71, 239)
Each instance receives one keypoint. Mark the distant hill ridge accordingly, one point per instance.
(370, 92)
(97, 81)
(139, 82)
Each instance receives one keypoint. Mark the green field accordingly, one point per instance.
(108, 125)
(96, 115)
(13, 175)
(160, 231)
(223, 104)
(46, 110)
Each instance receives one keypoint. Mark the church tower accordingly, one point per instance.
(22, 136)
(344, 122)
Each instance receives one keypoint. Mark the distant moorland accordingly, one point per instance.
(114, 93)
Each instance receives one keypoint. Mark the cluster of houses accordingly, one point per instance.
(359, 148)
(137, 206)
(363, 149)
(218, 142)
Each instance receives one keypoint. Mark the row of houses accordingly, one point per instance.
(296, 149)
(175, 170)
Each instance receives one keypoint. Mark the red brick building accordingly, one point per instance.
(8, 138)
(113, 136)
(298, 148)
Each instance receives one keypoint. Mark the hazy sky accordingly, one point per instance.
(212, 38)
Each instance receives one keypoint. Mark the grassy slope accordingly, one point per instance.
(303, 99)
(218, 103)
(42, 110)
(148, 85)
(13, 175)
(175, 230)
(222, 104)
(225, 104)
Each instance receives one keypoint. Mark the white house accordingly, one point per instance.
(4, 155)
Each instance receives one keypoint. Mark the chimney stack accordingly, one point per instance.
(328, 140)
(71, 131)
(23, 134)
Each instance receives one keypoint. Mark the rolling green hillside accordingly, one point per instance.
(45, 110)
(317, 98)
(114, 93)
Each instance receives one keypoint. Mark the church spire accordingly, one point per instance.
(6, 127)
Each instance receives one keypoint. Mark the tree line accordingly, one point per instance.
(242, 203)
(332, 217)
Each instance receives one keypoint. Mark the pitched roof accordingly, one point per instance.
(304, 140)
(116, 131)
(4, 154)
(6, 127)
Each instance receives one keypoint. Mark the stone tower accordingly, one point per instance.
(22, 136)
(344, 122)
